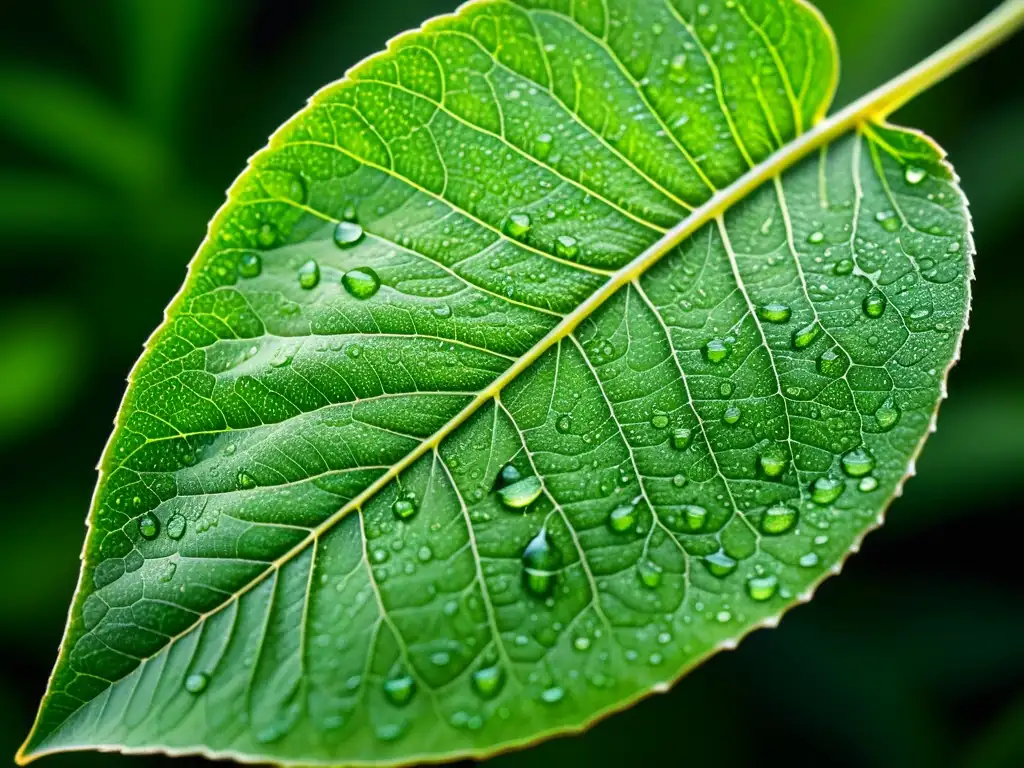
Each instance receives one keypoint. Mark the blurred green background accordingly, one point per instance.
(122, 122)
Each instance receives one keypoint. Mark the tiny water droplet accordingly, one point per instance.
(361, 283)
(309, 275)
(552, 695)
(874, 304)
(541, 559)
(761, 588)
(716, 351)
(521, 493)
(403, 509)
(778, 519)
(488, 681)
(196, 682)
(816, 237)
(622, 518)
(250, 265)
(868, 484)
(517, 225)
(809, 560)
(149, 526)
(400, 690)
(347, 234)
(825, 490)
(719, 564)
(775, 313)
(858, 462)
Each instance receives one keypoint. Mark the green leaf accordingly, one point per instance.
(546, 354)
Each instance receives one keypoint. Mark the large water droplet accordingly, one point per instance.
(681, 438)
(541, 560)
(542, 146)
(361, 283)
(716, 351)
(858, 462)
(778, 519)
(719, 564)
(149, 526)
(649, 573)
(659, 421)
(874, 304)
(403, 509)
(867, 484)
(762, 588)
(831, 363)
(843, 267)
(564, 424)
(804, 337)
(552, 695)
(196, 682)
(176, 526)
(309, 275)
(521, 493)
(773, 460)
(825, 490)
(889, 220)
(775, 313)
(400, 690)
(488, 681)
(887, 415)
(566, 247)
(347, 234)
(809, 560)
(694, 517)
(816, 237)
(245, 481)
(732, 414)
(622, 518)
(250, 265)
(914, 175)
(517, 225)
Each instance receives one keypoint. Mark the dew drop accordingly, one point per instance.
(778, 519)
(678, 63)
(914, 175)
(874, 304)
(659, 421)
(517, 225)
(679, 480)
(361, 283)
(176, 526)
(149, 526)
(649, 573)
(887, 415)
(773, 461)
(542, 146)
(681, 438)
(566, 247)
(816, 237)
(196, 682)
(309, 275)
(890, 221)
(564, 424)
(508, 475)
(250, 265)
(400, 690)
(732, 414)
(858, 462)
(552, 695)
(403, 509)
(809, 560)
(775, 313)
(488, 681)
(719, 564)
(867, 484)
(347, 234)
(622, 518)
(520, 493)
(831, 363)
(804, 337)
(761, 588)
(716, 351)
(843, 267)
(825, 490)
(694, 517)
(541, 559)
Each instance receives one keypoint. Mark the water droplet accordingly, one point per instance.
(695, 517)
(775, 313)
(176, 526)
(508, 475)
(825, 490)
(622, 518)
(443, 311)
(843, 267)
(887, 415)
(761, 588)
(778, 519)
(403, 509)
(858, 462)
(732, 414)
(521, 493)
(347, 234)
(564, 424)
(517, 225)
(361, 283)
(889, 220)
(552, 695)
(400, 690)
(681, 438)
(245, 481)
(581, 643)
(679, 480)
(809, 560)
(542, 146)
(719, 564)
(816, 237)
(390, 731)
(167, 572)
(566, 247)
(804, 337)
(914, 175)
(659, 421)
(716, 351)
(541, 559)
(309, 275)
(488, 681)
(867, 484)
(874, 304)
(649, 573)
(149, 526)
(773, 460)
(678, 63)
(831, 363)
(250, 265)
(196, 682)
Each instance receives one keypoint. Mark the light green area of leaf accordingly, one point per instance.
(687, 461)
